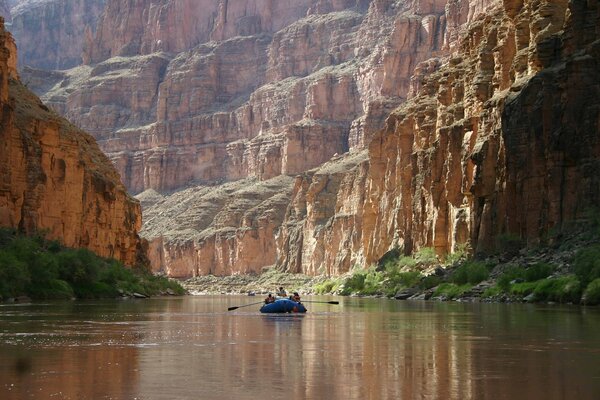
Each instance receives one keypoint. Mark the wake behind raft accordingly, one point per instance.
(281, 306)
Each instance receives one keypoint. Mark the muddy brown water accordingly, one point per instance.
(193, 348)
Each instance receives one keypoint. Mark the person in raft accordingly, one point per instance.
(281, 292)
(295, 297)
(270, 299)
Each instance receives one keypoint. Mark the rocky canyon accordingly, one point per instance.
(317, 135)
(55, 179)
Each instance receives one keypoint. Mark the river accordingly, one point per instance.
(193, 348)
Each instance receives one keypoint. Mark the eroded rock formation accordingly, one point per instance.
(50, 34)
(490, 132)
(176, 90)
(54, 178)
(500, 139)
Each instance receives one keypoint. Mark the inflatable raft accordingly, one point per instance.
(283, 306)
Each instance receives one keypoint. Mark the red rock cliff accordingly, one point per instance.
(503, 138)
(494, 137)
(53, 176)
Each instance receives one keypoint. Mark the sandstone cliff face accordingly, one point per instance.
(50, 34)
(490, 133)
(53, 177)
(208, 230)
(176, 90)
(500, 139)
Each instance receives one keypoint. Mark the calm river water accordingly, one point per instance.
(193, 348)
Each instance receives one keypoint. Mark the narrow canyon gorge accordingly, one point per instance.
(313, 135)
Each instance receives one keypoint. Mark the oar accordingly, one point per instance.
(245, 305)
(324, 302)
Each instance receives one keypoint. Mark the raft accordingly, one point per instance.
(283, 306)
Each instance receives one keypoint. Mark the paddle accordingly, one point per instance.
(324, 302)
(245, 305)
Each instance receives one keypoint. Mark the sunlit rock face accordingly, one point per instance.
(54, 178)
(203, 105)
(502, 137)
(204, 91)
(50, 34)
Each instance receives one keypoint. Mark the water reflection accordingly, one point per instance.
(362, 349)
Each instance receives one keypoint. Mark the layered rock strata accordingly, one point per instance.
(208, 230)
(176, 90)
(55, 179)
(503, 139)
(496, 137)
(51, 33)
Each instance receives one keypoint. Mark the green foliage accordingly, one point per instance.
(591, 296)
(364, 282)
(587, 264)
(531, 274)
(327, 286)
(429, 282)
(471, 272)
(510, 274)
(43, 269)
(492, 292)
(426, 256)
(14, 275)
(523, 289)
(538, 271)
(451, 290)
(52, 289)
(460, 254)
(566, 289)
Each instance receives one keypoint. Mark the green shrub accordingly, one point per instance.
(429, 282)
(373, 283)
(44, 270)
(523, 289)
(354, 283)
(492, 292)
(426, 256)
(591, 296)
(511, 273)
(450, 290)
(461, 253)
(363, 282)
(566, 289)
(53, 289)
(471, 272)
(14, 275)
(538, 271)
(587, 264)
(404, 279)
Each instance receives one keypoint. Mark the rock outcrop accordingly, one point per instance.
(54, 178)
(51, 34)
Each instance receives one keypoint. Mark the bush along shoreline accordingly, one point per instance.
(566, 270)
(32, 267)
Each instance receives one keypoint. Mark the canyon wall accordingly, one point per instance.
(197, 92)
(502, 138)
(50, 34)
(54, 178)
(316, 135)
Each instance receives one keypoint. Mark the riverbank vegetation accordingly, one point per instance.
(43, 269)
(564, 270)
